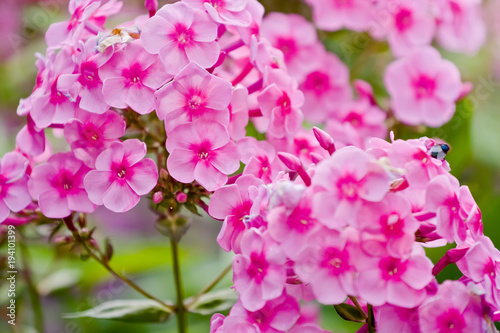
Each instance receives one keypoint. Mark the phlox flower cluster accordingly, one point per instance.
(325, 215)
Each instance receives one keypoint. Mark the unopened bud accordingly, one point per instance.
(325, 140)
(181, 197)
(158, 197)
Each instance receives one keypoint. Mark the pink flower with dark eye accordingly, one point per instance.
(423, 88)
(230, 12)
(86, 80)
(181, 34)
(259, 274)
(232, 203)
(122, 176)
(395, 319)
(461, 27)
(327, 263)
(14, 195)
(325, 87)
(89, 134)
(333, 15)
(202, 151)
(280, 103)
(58, 186)
(131, 78)
(453, 310)
(194, 94)
(345, 180)
(259, 158)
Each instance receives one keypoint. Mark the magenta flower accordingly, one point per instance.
(232, 204)
(131, 78)
(452, 309)
(238, 113)
(14, 195)
(232, 12)
(388, 227)
(395, 319)
(345, 180)
(325, 87)
(122, 176)
(423, 88)
(397, 281)
(181, 34)
(326, 263)
(58, 186)
(86, 80)
(259, 274)
(89, 134)
(280, 103)
(334, 15)
(201, 151)
(259, 158)
(194, 94)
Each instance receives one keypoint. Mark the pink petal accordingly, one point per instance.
(96, 184)
(204, 54)
(224, 200)
(78, 201)
(114, 91)
(144, 176)
(180, 165)
(53, 205)
(208, 176)
(120, 197)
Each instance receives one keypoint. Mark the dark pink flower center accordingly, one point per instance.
(335, 261)
(392, 268)
(490, 268)
(258, 266)
(265, 166)
(64, 181)
(403, 19)
(354, 119)
(285, 103)
(121, 171)
(92, 134)
(216, 3)
(424, 86)
(287, 46)
(89, 77)
(203, 150)
(348, 187)
(392, 225)
(183, 35)
(300, 220)
(451, 321)
(134, 74)
(75, 18)
(318, 82)
(343, 3)
(56, 97)
(421, 156)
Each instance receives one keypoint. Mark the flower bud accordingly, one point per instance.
(181, 197)
(157, 197)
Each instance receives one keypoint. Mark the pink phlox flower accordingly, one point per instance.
(49, 104)
(86, 79)
(85, 14)
(14, 195)
(423, 88)
(356, 122)
(30, 140)
(259, 158)
(131, 77)
(326, 262)
(294, 36)
(277, 315)
(122, 176)
(397, 281)
(263, 54)
(444, 197)
(194, 94)
(344, 181)
(202, 151)
(412, 25)
(452, 309)
(337, 14)
(228, 12)
(232, 203)
(89, 134)
(460, 26)
(259, 274)
(325, 86)
(280, 103)
(388, 227)
(58, 186)
(414, 157)
(290, 225)
(181, 34)
(238, 113)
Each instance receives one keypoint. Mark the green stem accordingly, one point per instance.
(34, 296)
(371, 319)
(69, 223)
(211, 285)
(358, 306)
(181, 311)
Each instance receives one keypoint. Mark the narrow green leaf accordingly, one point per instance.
(131, 311)
(349, 313)
(213, 302)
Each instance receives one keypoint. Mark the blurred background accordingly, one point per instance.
(67, 284)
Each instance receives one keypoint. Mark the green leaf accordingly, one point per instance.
(349, 313)
(130, 311)
(216, 301)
